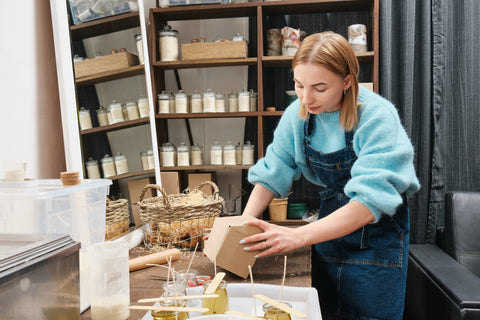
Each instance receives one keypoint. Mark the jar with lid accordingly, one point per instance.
(132, 110)
(168, 155)
(168, 44)
(271, 312)
(102, 116)
(163, 102)
(139, 45)
(116, 112)
(171, 103)
(209, 101)
(233, 101)
(238, 153)
(183, 155)
(196, 102)
(253, 100)
(124, 111)
(121, 164)
(93, 172)
(109, 115)
(150, 159)
(220, 102)
(108, 166)
(197, 155)
(181, 102)
(216, 154)
(229, 154)
(244, 101)
(144, 160)
(85, 120)
(143, 107)
(248, 153)
(216, 305)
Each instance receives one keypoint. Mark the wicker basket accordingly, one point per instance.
(179, 220)
(117, 218)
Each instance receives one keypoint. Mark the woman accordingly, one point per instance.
(349, 140)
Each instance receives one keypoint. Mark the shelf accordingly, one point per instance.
(105, 25)
(116, 126)
(111, 75)
(130, 175)
(205, 167)
(204, 63)
(286, 61)
(207, 115)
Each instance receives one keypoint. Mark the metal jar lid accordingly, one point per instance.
(115, 104)
(163, 96)
(168, 32)
(91, 162)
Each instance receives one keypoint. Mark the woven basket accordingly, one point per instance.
(117, 218)
(179, 220)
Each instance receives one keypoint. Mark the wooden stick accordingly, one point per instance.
(212, 287)
(283, 279)
(253, 292)
(179, 309)
(199, 296)
(238, 313)
(281, 306)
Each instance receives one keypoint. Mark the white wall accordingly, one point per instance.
(30, 124)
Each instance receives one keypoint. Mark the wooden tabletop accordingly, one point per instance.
(269, 270)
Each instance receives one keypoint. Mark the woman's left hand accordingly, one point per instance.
(274, 239)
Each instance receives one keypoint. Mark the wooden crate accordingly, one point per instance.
(108, 63)
(214, 50)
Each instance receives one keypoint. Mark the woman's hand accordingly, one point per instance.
(274, 239)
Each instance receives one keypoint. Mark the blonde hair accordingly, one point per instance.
(333, 52)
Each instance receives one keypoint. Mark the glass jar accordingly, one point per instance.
(244, 101)
(197, 155)
(216, 154)
(93, 171)
(139, 45)
(233, 102)
(181, 102)
(196, 102)
(171, 104)
(84, 118)
(253, 100)
(274, 313)
(238, 153)
(144, 160)
(168, 39)
(143, 107)
(150, 159)
(219, 102)
(108, 166)
(121, 164)
(163, 102)
(109, 115)
(209, 101)
(229, 154)
(216, 305)
(168, 155)
(183, 155)
(171, 289)
(102, 116)
(248, 153)
(116, 112)
(124, 111)
(132, 110)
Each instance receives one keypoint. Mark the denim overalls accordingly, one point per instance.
(361, 275)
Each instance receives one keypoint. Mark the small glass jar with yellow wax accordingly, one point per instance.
(216, 305)
(274, 313)
(172, 290)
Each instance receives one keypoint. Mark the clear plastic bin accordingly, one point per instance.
(87, 10)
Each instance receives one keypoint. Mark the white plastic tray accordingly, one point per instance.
(240, 299)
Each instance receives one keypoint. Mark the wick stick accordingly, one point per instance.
(185, 281)
(253, 292)
(283, 279)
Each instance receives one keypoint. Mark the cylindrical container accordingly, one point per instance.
(253, 100)
(197, 155)
(168, 44)
(357, 37)
(109, 280)
(196, 102)
(168, 155)
(216, 305)
(229, 154)
(144, 160)
(273, 313)
(183, 155)
(85, 120)
(93, 172)
(216, 154)
(274, 42)
(143, 107)
(150, 159)
(108, 166)
(109, 115)
(163, 102)
(233, 102)
(171, 289)
(244, 101)
(181, 102)
(219, 102)
(248, 153)
(171, 100)
(139, 44)
(238, 153)
(121, 164)
(132, 110)
(124, 111)
(187, 278)
(116, 112)
(102, 116)
(209, 101)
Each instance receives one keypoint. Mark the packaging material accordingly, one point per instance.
(171, 182)
(87, 10)
(223, 248)
(135, 187)
(214, 50)
(194, 179)
(290, 41)
(107, 63)
(277, 209)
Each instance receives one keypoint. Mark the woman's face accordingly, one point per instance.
(318, 88)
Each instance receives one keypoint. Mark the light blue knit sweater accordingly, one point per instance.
(383, 171)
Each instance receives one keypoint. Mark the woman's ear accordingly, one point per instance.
(347, 83)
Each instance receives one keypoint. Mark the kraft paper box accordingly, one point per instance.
(223, 247)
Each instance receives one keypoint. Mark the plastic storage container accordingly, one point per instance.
(87, 10)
